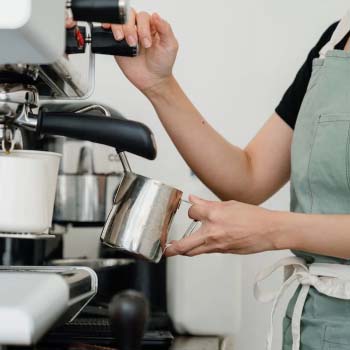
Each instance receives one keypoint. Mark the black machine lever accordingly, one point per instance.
(102, 11)
(128, 312)
(124, 135)
(102, 42)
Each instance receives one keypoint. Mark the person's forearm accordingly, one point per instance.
(320, 234)
(224, 168)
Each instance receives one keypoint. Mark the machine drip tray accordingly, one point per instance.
(95, 333)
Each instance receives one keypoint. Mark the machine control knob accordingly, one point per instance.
(128, 313)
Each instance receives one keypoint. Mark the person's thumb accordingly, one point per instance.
(196, 200)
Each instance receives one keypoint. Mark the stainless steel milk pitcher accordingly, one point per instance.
(141, 217)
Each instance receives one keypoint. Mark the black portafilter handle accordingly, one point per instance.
(102, 42)
(101, 11)
(124, 135)
(128, 312)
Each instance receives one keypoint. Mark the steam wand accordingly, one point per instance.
(124, 135)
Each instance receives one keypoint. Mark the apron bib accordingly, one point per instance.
(318, 316)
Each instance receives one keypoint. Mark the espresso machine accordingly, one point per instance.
(43, 109)
(47, 73)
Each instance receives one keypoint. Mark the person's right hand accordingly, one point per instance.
(158, 50)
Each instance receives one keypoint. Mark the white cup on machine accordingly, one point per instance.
(28, 182)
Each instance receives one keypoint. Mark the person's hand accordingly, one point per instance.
(158, 49)
(227, 227)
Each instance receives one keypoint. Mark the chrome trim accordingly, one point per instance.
(84, 299)
(19, 94)
(25, 120)
(95, 264)
(94, 107)
(124, 10)
(31, 236)
(125, 162)
(13, 96)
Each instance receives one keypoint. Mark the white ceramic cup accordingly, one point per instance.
(28, 182)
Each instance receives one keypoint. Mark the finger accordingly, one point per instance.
(164, 30)
(143, 20)
(129, 29)
(106, 26)
(204, 249)
(118, 32)
(198, 212)
(213, 245)
(196, 200)
(153, 28)
(184, 245)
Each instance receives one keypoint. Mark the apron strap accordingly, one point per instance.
(297, 314)
(339, 34)
(332, 280)
(293, 268)
(289, 264)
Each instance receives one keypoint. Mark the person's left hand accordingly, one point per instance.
(227, 227)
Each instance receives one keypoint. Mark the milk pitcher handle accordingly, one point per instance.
(193, 226)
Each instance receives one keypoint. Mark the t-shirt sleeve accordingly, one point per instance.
(288, 108)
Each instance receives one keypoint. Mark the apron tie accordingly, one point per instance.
(332, 280)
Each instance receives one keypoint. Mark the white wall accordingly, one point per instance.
(235, 61)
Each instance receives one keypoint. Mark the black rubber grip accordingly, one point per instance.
(103, 42)
(102, 11)
(124, 135)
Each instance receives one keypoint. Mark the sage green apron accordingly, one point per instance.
(318, 316)
(320, 184)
